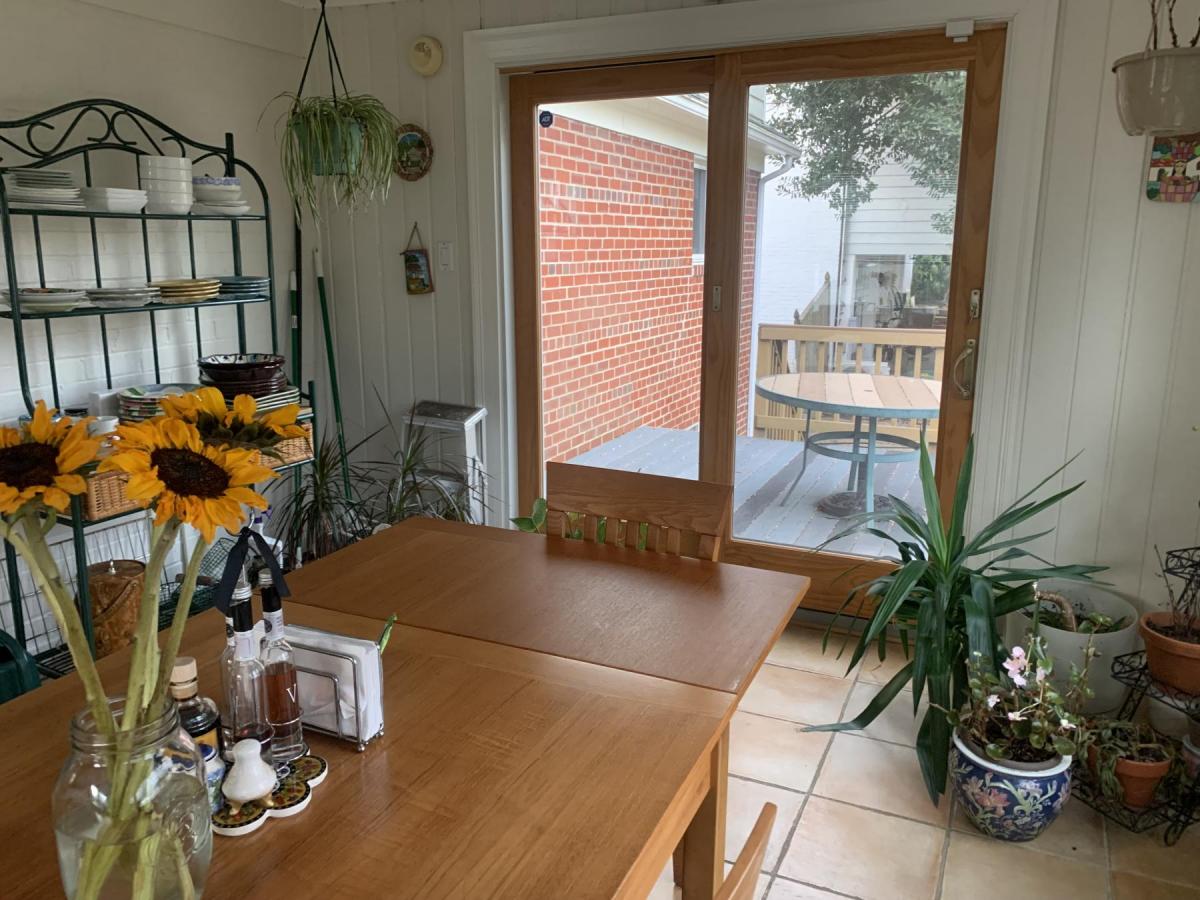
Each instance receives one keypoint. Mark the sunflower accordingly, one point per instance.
(41, 458)
(243, 425)
(171, 468)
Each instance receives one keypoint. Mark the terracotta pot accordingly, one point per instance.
(1172, 662)
(1139, 780)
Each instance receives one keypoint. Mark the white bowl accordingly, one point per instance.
(114, 205)
(218, 191)
(165, 162)
(167, 175)
(158, 186)
(169, 207)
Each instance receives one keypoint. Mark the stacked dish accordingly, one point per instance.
(187, 290)
(167, 181)
(114, 200)
(256, 374)
(244, 286)
(52, 189)
(47, 300)
(267, 402)
(124, 297)
(141, 401)
(219, 196)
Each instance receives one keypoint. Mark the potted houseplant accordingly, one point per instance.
(1014, 740)
(1172, 637)
(1073, 617)
(348, 141)
(1158, 90)
(1128, 759)
(943, 598)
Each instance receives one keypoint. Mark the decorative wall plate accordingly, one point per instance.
(416, 152)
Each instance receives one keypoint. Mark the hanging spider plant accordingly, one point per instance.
(342, 146)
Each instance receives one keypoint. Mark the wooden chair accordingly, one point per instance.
(742, 879)
(651, 512)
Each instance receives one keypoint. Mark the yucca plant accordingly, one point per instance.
(348, 139)
(316, 516)
(943, 599)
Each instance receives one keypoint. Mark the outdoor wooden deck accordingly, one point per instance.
(764, 471)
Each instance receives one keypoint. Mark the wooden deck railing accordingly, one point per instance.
(917, 352)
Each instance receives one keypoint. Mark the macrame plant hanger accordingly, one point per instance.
(335, 392)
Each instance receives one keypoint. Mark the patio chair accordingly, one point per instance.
(649, 512)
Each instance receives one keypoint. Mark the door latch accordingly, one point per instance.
(716, 298)
(975, 303)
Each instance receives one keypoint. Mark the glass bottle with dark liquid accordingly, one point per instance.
(277, 656)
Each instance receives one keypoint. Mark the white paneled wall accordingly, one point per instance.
(1115, 322)
(204, 69)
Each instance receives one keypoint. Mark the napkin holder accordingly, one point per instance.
(340, 684)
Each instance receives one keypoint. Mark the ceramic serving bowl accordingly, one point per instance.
(241, 367)
(148, 161)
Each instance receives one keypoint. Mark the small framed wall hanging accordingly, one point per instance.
(415, 152)
(418, 274)
(1174, 175)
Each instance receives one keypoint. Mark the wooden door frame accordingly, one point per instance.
(726, 76)
(982, 57)
(526, 93)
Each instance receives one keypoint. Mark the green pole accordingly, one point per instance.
(333, 378)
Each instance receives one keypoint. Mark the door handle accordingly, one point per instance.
(966, 362)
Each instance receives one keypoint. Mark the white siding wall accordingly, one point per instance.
(897, 218)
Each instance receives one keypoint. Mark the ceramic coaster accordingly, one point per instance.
(292, 794)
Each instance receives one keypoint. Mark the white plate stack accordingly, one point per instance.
(49, 189)
(114, 200)
(219, 196)
(167, 181)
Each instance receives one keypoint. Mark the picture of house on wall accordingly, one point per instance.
(1174, 169)
(417, 276)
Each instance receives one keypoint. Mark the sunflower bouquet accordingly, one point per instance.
(194, 465)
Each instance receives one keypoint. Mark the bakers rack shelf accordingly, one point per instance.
(94, 132)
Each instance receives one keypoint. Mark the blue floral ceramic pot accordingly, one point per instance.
(1007, 802)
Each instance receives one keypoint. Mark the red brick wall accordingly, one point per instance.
(621, 299)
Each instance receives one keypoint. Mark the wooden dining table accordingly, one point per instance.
(556, 723)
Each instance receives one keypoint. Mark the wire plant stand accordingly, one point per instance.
(95, 137)
(1177, 805)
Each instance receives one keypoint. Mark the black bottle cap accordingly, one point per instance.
(243, 617)
(271, 601)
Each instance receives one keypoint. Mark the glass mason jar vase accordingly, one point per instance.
(131, 812)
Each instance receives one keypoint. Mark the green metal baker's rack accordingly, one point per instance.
(87, 128)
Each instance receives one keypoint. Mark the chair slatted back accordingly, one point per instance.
(742, 879)
(652, 512)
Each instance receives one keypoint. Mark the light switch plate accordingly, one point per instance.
(445, 256)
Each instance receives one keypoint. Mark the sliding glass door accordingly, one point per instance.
(762, 268)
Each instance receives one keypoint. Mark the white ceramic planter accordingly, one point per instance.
(1158, 91)
(1066, 648)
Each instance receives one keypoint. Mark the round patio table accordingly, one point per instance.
(864, 397)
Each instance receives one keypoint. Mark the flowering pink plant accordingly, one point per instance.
(1018, 715)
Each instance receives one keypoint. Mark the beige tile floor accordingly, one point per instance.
(855, 821)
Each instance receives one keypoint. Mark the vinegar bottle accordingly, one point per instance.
(247, 679)
(277, 656)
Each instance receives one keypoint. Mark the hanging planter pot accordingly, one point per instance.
(340, 156)
(1158, 91)
(342, 145)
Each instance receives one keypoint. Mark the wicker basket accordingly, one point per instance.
(292, 450)
(106, 496)
(106, 490)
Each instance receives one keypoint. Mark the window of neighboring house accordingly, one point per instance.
(699, 212)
